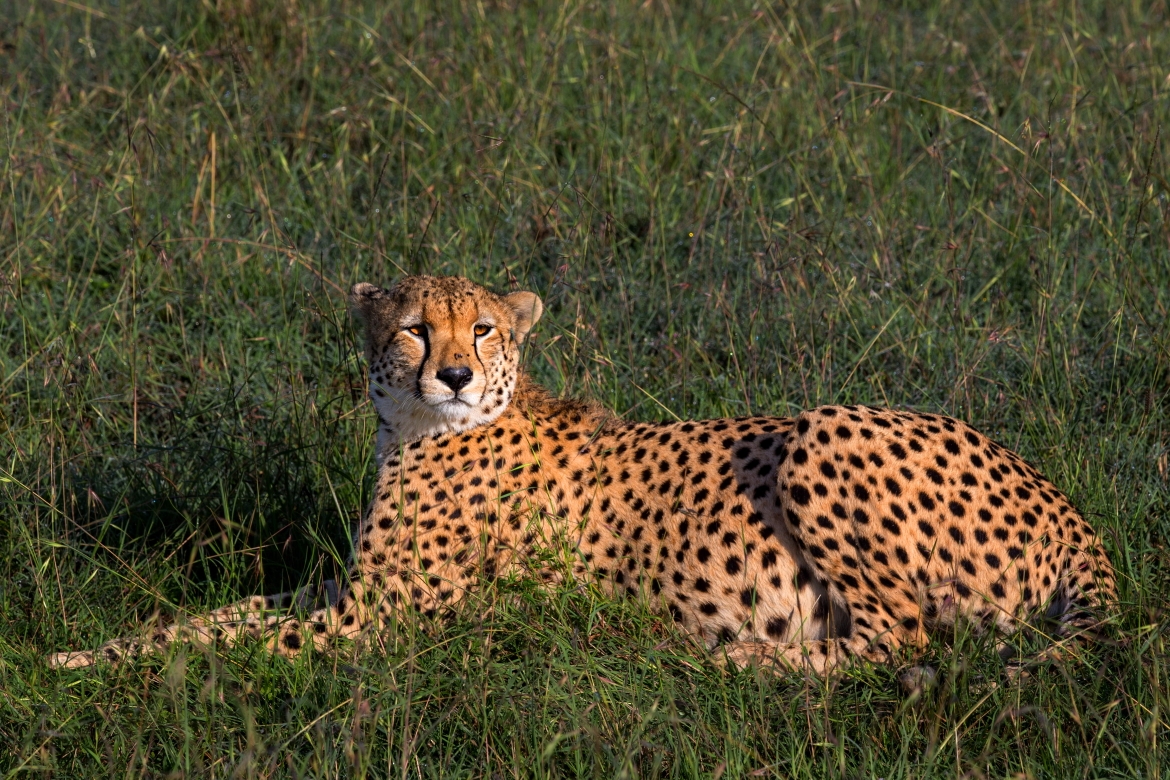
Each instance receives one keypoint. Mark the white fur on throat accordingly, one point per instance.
(405, 418)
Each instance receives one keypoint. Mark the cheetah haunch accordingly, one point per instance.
(845, 533)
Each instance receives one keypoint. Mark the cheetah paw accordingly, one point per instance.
(917, 680)
(71, 660)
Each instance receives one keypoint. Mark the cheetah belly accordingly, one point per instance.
(684, 514)
(687, 514)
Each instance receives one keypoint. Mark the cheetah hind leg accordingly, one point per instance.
(823, 657)
(256, 616)
(1081, 619)
(819, 656)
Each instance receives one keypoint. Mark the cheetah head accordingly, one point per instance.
(443, 353)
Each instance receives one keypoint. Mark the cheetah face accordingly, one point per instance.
(443, 353)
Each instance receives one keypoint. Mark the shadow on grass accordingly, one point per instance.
(233, 493)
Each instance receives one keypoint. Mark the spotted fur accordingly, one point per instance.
(846, 533)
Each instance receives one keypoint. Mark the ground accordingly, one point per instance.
(728, 211)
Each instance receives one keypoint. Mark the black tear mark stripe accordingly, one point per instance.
(475, 348)
(426, 337)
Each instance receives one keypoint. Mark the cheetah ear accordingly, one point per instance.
(527, 309)
(363, 298)
(364, 301)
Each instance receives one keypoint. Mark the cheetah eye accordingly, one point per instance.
(482, 330)
(416, 330)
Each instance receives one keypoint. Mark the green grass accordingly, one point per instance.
(954, 206)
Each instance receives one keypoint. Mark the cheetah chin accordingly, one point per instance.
(845, 534)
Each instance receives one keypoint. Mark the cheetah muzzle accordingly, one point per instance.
(848, 533)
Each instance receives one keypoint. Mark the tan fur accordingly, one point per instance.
(848, 532)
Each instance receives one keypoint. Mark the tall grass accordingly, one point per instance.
(727, 208)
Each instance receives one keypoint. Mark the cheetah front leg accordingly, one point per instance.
(375, 594)
(364, 607)
(257, 616)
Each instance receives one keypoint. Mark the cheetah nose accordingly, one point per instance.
(455, 378)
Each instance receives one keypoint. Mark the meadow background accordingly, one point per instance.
(727, 207)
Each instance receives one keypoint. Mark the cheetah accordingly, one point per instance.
(846, 534)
